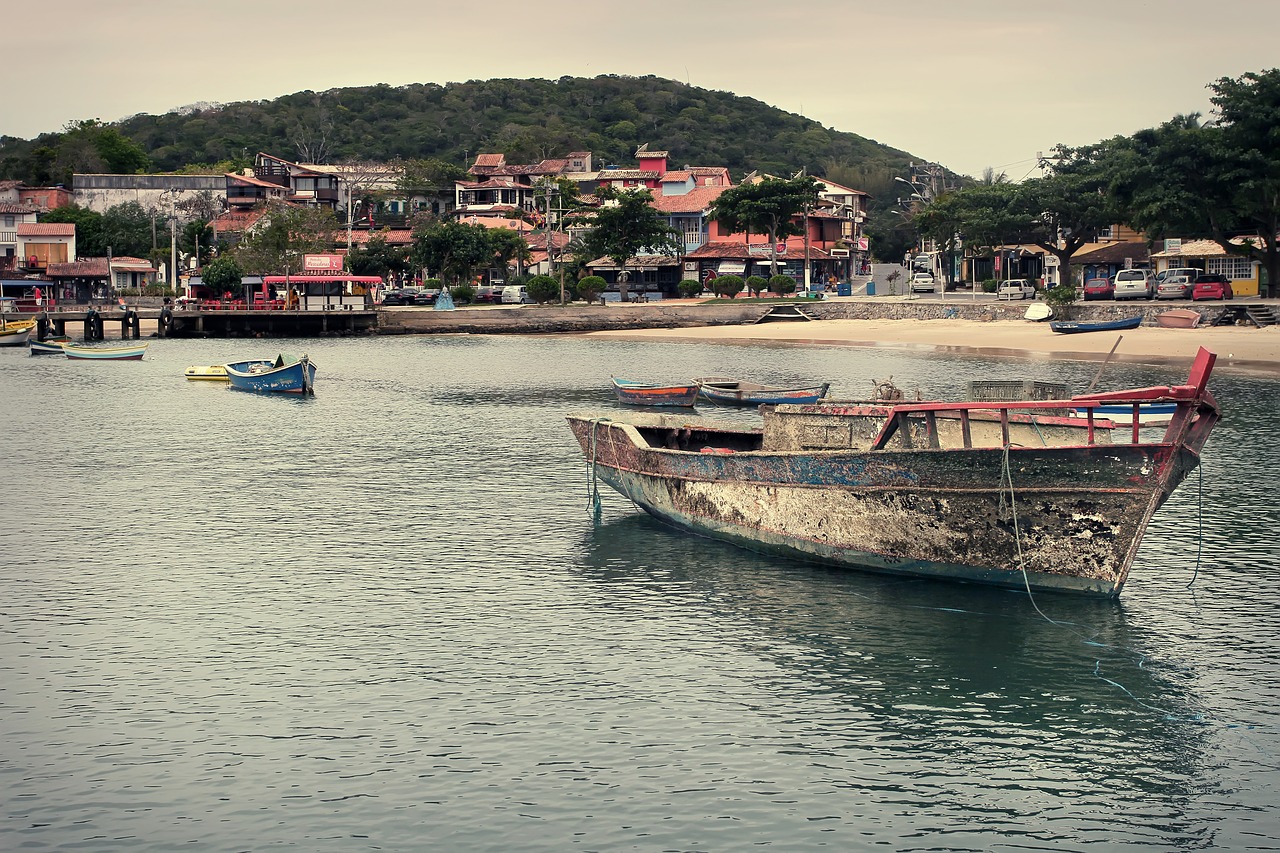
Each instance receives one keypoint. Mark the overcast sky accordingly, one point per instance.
(965, 83)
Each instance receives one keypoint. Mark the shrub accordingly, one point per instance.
(989, 286)
(781, 284)
(1061, 298)
(726, 285)
(543, 288)
(432, 284)
(463, 294)
(591, 286)
(757, 284)
(688, 288)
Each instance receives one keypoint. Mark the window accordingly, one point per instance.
(1233, 268)
(691, 228)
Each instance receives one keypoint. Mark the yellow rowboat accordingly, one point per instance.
(207, 372)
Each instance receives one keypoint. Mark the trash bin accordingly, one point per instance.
(846, 289)
(871, 288)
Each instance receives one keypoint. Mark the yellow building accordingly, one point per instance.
(1241, 271)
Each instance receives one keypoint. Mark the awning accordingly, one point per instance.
(732, 267)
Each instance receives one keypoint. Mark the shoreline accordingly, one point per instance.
(1246, 349)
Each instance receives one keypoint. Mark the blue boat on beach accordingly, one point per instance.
(1068, 327)
(282, 376)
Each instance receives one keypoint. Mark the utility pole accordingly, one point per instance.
(173, 254)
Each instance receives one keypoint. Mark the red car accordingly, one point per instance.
(1211, 285)
(1099, 288)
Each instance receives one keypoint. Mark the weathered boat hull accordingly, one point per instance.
(296, 377)
(77, 353)
(1179, 318)
(15, 337)
(53, 346)
(734, 393)
(1071, 520)
(641, 394)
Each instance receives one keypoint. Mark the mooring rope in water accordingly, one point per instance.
(1006, 477)
(593, 489)
(1199, 524)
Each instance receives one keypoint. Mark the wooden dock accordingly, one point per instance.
(94, 324)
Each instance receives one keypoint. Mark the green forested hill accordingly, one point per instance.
(524, 119)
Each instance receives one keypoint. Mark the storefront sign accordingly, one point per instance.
(322, 263)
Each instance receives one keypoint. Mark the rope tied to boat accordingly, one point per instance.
(1199, 523)
(593, 487)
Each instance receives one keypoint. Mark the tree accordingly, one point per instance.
(591, 286)
(453, 249)
(1220, 181)
(689, 288)
(726, 285)
(543, 288)
(127, 230)
(770, 206)
(509, 247)
(626, 224)
(283, 235)
(780, 284)
(378, 258)
(90, 242)
(222, 275)
(756, 284)
(357, 178)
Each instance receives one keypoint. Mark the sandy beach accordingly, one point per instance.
(1244, 348)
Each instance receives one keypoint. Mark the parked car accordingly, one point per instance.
(1016, 288)
(1189, 272)
(399, 296)
(922, 282)
(487, 294)
(516, 294)
(1134, 284)
(1175, 287)
(426, 297)
(1099, 288)
(1211, 285)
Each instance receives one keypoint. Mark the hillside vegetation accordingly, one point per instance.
(524, 119)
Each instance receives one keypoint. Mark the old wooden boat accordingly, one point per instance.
(207, 372)
(1038, 312)
(972, 491)
(282, 376)
(49, 346)
(722, 389)
(14, 335)
(1179, 318)
(83, 353)
(646, 394)
(1068, 327)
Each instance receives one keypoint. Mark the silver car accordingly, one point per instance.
(1174, 287)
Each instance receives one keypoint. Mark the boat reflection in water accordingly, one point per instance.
(917, 694)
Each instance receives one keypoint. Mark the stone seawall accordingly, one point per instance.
(555, 319)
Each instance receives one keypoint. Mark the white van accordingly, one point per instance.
(1134, 284)
(515, 294)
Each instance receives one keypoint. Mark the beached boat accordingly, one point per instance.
(647, 394)
(282, 376)
(972, 491)
(208, 372)
(49, 346)
(1038, 312)
(14, 336)
(1068, 327)
(1179, 318)
(82, 353)
(722, 389)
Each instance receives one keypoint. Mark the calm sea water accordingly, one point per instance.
(382, 619)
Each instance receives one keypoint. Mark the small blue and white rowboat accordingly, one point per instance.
(278, 377)
(79, 353)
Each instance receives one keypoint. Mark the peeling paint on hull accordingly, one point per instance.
(1072, 521)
